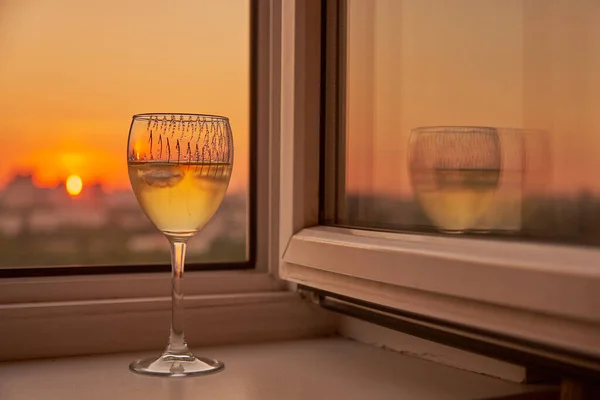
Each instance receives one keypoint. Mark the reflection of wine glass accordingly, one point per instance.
(537, 176)
(179, 168)
(454, 172)
(505, 213)
(526, 170)
(537, 161)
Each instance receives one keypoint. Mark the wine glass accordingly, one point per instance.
(454, 171)
(179, 167)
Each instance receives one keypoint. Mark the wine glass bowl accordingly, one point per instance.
(454, 172)
(179, 167)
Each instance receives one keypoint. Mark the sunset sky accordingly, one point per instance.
(72, 73)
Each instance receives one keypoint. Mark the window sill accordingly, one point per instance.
(127, 286)
(313, 369)
(538, 293)
(216, 316)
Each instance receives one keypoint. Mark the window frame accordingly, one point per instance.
(521, 290)
(27, 284)
(53, 316)
(258, 58)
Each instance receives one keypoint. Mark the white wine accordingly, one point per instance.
(179, 198)
(454, 199)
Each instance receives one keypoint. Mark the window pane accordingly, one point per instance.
(526, 71)
(72, 74)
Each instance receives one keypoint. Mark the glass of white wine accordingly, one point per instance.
(179, 167)
(454, 171)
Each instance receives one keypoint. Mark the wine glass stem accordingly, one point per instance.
(177, 344)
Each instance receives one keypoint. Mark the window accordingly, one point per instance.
(518, 72)
(72, 75)
(523, 70)
(526, 292)
(44, 312)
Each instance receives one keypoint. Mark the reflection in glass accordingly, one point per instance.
(538, 164)
(530, 66)
(504, 214)
(526, 165)
(454, 172)
(179, 168)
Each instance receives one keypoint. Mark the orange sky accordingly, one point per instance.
(72, 73)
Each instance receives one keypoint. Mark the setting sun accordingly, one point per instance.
(74, 185)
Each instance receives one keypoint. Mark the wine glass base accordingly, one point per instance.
(451, 231)
(176, 365)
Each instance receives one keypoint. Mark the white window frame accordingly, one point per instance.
(74, 315)
(547, 294)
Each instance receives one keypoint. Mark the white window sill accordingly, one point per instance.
(534, 292)
(313, 369)
(83, 327)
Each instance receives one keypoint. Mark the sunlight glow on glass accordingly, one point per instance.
(74, 185)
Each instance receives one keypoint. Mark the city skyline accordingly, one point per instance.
(101, 228)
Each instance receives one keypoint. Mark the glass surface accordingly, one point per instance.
(72, 73)
(527, 69)
(179, 168)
